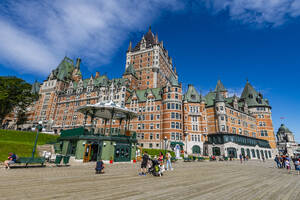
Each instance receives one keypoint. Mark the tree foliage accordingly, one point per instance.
(15, 93)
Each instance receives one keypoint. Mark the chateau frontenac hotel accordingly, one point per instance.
(214, 124)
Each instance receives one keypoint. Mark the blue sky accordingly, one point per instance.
(209, 40)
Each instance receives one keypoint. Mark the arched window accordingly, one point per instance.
(196, 149)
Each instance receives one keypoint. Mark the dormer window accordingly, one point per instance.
(89, 89)
(193, 97)
(250, 96)
(258, 100)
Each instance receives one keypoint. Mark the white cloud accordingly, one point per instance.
(257, 12)
(37, 34)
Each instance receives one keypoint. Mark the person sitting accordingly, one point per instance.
(99, 167)
(11, 160)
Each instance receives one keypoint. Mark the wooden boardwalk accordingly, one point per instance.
(195, 180)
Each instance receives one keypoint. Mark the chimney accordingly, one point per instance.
(78, 60)
(97, 75)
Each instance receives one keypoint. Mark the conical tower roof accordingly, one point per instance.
(252, 97)
(219, 97)
(220, 87)
(149, 38)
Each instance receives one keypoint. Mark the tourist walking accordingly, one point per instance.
(288, 164)
(282, 161)
(241, 158)
(169, 164)
(144, 163)
(297, 166)
(277, 160)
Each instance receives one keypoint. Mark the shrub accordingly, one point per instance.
(155, 152)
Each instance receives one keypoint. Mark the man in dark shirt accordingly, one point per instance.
(11, 160)
(144, 164)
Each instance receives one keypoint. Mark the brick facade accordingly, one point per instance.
(150, 87)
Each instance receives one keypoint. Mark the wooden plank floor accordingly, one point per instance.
(195, 180)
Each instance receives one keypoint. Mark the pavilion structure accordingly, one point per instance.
(108, 144)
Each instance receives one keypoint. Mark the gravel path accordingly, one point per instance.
(195, 180)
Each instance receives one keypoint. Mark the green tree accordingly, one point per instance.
(15, 93)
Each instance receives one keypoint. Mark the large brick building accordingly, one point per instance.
(211, 124)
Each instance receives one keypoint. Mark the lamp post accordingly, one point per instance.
(185, 136)
(165, 140)
(39, 128)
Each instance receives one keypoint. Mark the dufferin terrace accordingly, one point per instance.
(149, 100)
(212, 124)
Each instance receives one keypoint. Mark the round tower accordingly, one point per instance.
(220, 112)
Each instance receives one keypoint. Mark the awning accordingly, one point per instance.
(179, 143)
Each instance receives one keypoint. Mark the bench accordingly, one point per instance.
(187, 160)
(30, 160)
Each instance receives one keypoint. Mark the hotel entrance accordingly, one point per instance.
(231, 152)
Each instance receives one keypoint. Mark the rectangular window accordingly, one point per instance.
(157, 126)
(173, 136)
(151, 136)
(172, 115)
(157, 136)
(151, 126)
(158, 107)
(173, 106)
(151, 117)
(261, 133)
(173, 124)
(233, 130)
(168, 106)
(157, 116)
(177, 136)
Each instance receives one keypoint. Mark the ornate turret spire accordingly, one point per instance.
(156, 38)
(78, 61)
(129, 47)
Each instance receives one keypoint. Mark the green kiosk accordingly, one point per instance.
(108, 144)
